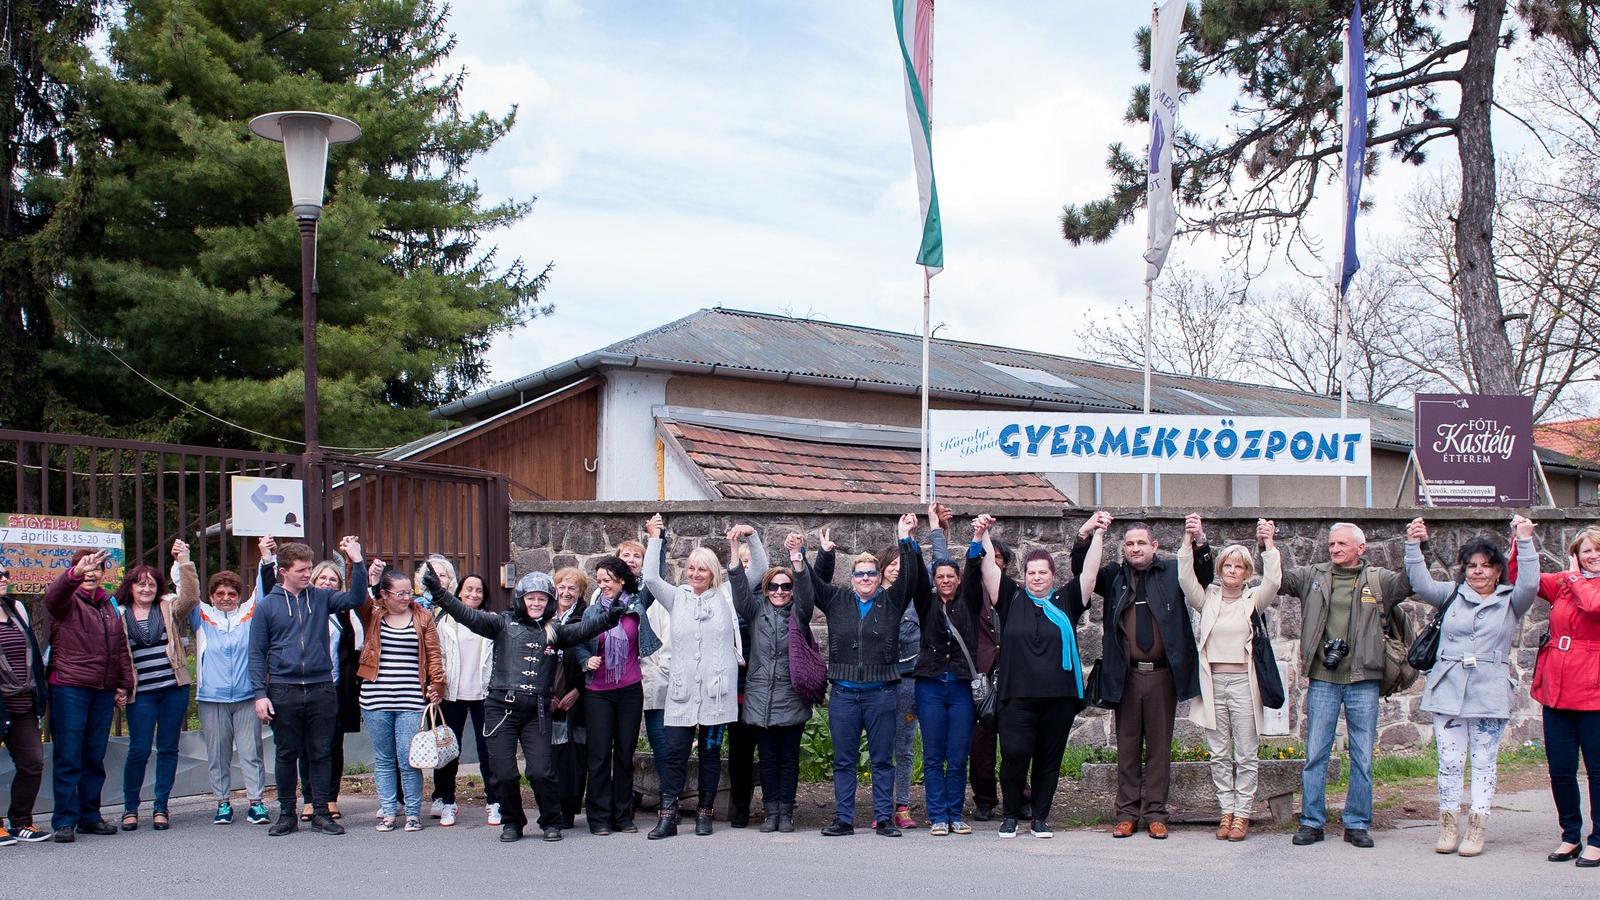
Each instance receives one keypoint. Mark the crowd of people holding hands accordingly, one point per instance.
(978, 648)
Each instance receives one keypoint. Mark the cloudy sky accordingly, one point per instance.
(754, 155)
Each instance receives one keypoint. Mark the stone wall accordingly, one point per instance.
(546, 536)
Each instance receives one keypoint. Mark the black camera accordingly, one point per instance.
(1334, 651)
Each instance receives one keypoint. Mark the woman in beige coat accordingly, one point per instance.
(1229, 707)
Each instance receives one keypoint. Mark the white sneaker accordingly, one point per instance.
(448, 817)
(493, 811)
(437, 809)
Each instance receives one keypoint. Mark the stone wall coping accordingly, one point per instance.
(646, 508)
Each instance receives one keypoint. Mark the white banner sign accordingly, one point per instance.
(268, 506)
(964, 441)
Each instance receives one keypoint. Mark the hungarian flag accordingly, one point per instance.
(913, 21)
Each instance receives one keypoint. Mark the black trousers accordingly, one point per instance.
(1033, 732)
(1567, 735)
(780, 761)
(741, 766)
(612, 718)
(456, 713)
(509, 726)
(571, 761)
(675, 765)
(335, 771)
(305, 720)
(980, 767)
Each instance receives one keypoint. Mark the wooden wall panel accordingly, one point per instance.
(545, 450)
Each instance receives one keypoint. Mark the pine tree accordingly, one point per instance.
(1282, 145)
(37, 39)
(183, 281)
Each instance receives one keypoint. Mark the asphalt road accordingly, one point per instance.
(202, 861)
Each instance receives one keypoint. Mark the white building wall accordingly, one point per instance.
(628, 435)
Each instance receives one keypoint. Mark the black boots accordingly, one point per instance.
(785, 817)
(771, 824)
(667, 825)
(702, 822)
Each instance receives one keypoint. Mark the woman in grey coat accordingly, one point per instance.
(1471, 684)
(771, 705)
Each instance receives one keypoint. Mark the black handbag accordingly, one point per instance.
(1269, 683)
(1091, 689)
(1424, 652)
(984, 697)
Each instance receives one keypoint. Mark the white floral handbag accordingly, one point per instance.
(434, 744)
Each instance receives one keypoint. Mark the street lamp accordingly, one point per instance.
(305, 137)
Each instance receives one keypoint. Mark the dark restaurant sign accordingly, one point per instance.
(1475, 449)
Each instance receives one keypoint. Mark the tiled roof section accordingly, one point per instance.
(1579, 438)
(755, 467)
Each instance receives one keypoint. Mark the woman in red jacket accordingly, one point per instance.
(90, 673)
(1566, 680)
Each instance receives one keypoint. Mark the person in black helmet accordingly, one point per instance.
(517, 710)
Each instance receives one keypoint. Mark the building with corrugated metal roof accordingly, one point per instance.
(728, 404)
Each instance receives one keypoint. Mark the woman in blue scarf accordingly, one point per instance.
(1040, 673)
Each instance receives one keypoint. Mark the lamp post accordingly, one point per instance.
(305, 137)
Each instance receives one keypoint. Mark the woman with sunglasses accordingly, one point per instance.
(864, 672)
(402, 672)
(771, 707)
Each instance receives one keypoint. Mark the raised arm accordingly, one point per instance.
(357, 593)
(1193, 593)
(745, 601)
(827, 559)
(1526, 585)
(900, 593)
(991, 566)
(760, 562)
(578, 633)
(1091, 566)
(659, 588)
(1432, 592)
(1271, 577)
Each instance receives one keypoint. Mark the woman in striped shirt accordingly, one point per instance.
(160, 700)
(401, 673)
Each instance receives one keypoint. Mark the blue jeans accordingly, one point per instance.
(946, 715)
(849, 714)
(1360, 703)
(905, 736)
(391, 731)
(154, 718)
(80, 726)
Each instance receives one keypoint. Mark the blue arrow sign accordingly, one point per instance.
(261, 498)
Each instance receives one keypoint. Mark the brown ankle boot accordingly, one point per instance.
(1225, 826)
(1240, 829)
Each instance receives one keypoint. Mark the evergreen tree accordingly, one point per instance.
(38, 39)
(181, 287)
(1283, 143)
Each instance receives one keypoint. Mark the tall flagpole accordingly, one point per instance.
(924, 461)
(1355, 144)
(1144, 480)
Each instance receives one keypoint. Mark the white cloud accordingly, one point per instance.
(756, 156)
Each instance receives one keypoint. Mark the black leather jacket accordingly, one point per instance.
(524, 650)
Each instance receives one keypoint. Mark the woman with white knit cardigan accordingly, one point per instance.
(1229, 705)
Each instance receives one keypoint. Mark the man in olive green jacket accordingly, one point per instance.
(1343, 604)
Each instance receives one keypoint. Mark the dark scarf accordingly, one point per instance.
(154, 631)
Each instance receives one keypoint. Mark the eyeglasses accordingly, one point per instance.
(864, 573)
(401, 593)
(780, 586)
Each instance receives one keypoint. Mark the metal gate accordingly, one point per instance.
(403, 511)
